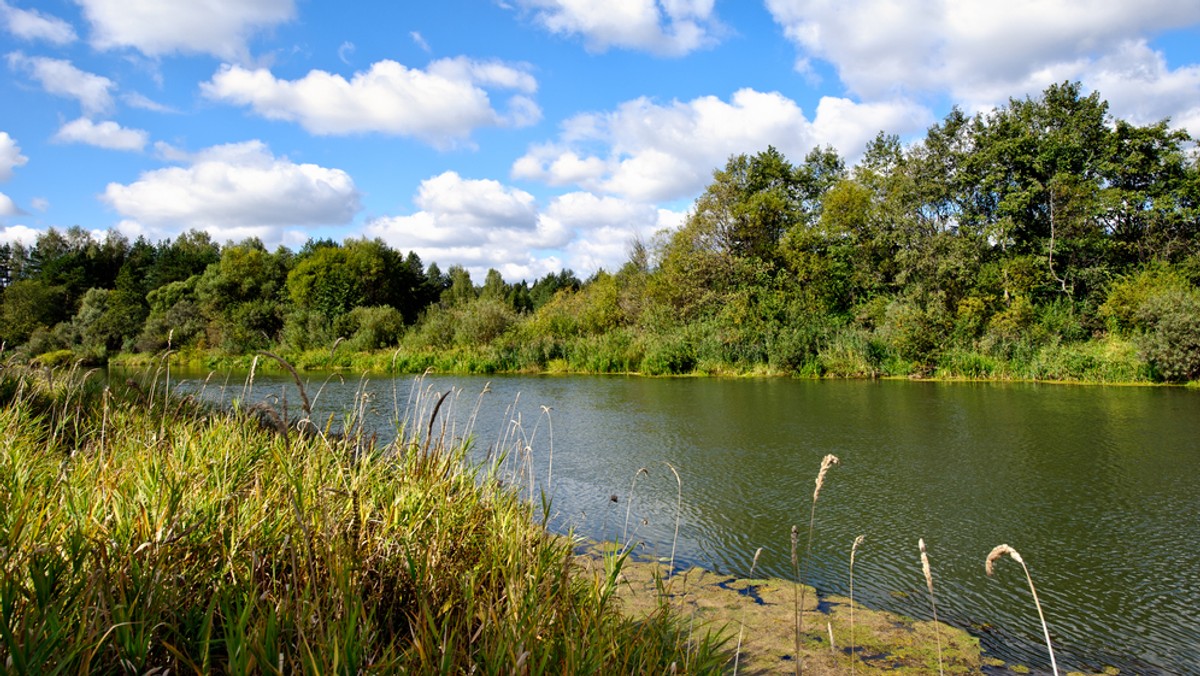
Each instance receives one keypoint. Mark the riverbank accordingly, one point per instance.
(1110, 361)
(142, 533)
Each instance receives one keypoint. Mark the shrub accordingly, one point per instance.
(1171, 342)
(372, 328)
(668, 355)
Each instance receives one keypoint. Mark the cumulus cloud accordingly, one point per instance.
(441, 105)
(62, 78)
(979, 51)
(7, 206)
(646, 151)
(19, 233)
(235, 191)
(30, 24)
(156, 28)
(1141, 88)
(482, 224)
(663, 27)
(106, 134)
(10, 156)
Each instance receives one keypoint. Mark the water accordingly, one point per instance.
(1097, 487)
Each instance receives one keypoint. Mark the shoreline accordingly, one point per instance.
(370, 365)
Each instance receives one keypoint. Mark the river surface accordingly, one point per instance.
(1098, 488)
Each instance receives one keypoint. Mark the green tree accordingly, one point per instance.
(30, 304)
(242, 296)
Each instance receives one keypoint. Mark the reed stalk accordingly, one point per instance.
(629, 501)
(999, 551)
(853, 549)
(678, 516)
(932, 602)
(828, 461)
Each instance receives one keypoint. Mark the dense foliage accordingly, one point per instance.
(1041, 240)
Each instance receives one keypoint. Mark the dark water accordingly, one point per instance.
(1098, 488)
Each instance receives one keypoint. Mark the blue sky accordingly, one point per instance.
(524, 135)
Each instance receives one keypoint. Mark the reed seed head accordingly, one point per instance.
(925, 565)
(795, 545)
(854, 548)
(996, 553)
(826, 462)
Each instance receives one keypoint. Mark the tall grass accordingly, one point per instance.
(932, 600)
(998, 552)
(143, 533)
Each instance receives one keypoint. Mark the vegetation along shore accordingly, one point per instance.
(141, 532)
(1043, 240)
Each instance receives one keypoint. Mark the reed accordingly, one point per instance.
(853, 550)
(214, 543)
(998, 552)
(828, 461)
(932, 601)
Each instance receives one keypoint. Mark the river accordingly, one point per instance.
(1098, 488)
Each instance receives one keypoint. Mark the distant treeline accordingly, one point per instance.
(1041, 240)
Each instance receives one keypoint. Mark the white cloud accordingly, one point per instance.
(979, 51)
(646, 151)
(106, 134)
(10, 156)
(1141, 88)
(419, 40)
(441, 105)
(7, 206)
(482, 224)
(19, 233)
(137, 100)
(61, 78)
(30, 24)
(235, 191)
(604, 228)
(345, 51)
(663, 27)
(156, 28)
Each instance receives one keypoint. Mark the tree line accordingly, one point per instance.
(1043, 239)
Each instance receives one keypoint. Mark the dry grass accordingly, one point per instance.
(999, 551)
(932, 599)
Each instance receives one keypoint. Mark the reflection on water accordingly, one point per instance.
(1097, 487)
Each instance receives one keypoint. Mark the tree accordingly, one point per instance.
(30, 304)
(461, 289)
(242, 296)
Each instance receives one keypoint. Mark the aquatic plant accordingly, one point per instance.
(932, 601)
(853, 549)
(222, 542)
(998, 552)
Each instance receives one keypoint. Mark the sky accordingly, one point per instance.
(522, 135)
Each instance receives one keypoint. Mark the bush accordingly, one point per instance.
(483, 321)
(1125, 308)
(1171, 342)
(372, 328)
(667, 355)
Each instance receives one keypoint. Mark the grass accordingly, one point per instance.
(140, 533)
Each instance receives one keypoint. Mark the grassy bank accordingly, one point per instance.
(1109, 360)
(141, 534)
